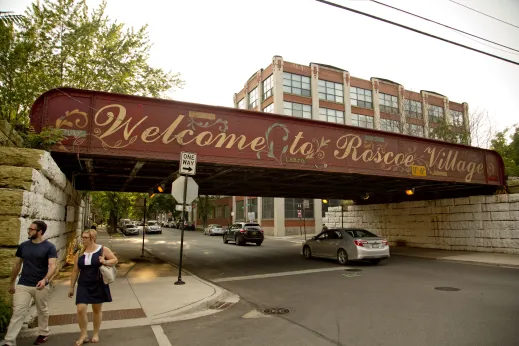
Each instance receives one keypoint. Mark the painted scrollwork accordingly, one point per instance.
(270, 151)
(193, 124)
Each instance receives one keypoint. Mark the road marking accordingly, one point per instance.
(162, 339)
(273, 275)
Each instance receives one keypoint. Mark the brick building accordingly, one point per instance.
(326, 93)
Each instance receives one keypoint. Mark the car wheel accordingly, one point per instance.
(225, 241)
(342, 257)
(237, 240)
(375, 261)
(307, 252)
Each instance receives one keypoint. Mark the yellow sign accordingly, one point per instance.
(419, 171)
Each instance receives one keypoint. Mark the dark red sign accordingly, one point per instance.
(130, 126)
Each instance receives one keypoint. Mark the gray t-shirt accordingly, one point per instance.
(35, 261)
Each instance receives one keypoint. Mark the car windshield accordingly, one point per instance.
(152, 223)
(252, 225)
(216, 226)
(360, 233)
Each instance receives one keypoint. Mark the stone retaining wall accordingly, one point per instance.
(32, 187)
(477, 223)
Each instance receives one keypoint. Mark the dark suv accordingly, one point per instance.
(244, 232)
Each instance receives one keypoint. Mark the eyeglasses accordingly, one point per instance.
(32, 229)
(85, 238)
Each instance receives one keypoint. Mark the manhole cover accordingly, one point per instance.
(275, 311)
(353, 270)
(448, 289)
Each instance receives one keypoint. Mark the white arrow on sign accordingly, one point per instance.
(187, 163)
(177, 189)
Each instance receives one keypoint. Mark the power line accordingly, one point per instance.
(457, 3)
(444, 25)
(416, 30)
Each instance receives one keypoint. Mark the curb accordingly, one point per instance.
(482, 263)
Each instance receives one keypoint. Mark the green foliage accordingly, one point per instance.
(444, 132)
(45, 140)
(112, 206)
(204, 205)
(62, 43)
(506, 143)
(7, 17)
(162, 203)
(5, 315)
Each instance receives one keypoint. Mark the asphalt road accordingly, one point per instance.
(394, 303)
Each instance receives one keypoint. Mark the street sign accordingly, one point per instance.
(306, 203)
(179, 207)
(187, 163)
(251, 216)
(177, 189)
(299, 214)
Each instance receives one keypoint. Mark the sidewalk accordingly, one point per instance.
(474, 257)
(143, 294)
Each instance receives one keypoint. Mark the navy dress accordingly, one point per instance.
(91, 289)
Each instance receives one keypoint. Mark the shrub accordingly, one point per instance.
(5, 315)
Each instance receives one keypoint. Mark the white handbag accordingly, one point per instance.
(109, 273)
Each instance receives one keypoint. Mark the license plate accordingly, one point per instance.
(375, 246)
(254, 233)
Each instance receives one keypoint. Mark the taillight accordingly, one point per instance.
(360, 242)
(242, 230)
(261, 230)
(384, 242)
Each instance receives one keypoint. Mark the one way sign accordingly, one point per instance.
(187, 163)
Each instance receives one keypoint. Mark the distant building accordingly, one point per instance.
(326, 93)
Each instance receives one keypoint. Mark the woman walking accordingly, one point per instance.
(91, 289)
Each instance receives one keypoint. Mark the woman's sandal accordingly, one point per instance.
(94, 340)
(84, 341)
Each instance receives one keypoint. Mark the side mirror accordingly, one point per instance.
(314, 237)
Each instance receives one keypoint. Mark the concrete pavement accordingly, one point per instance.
(143, 294)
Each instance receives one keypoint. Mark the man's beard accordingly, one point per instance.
(34, 236)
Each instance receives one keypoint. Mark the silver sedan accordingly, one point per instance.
(214, 229)
(344, 244)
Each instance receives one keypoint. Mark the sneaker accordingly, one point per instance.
(41, 339)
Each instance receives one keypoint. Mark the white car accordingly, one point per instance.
(344, 244)
(152, 227)
(214, 229)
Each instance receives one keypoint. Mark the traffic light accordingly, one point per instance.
(325, 201)
(155, 190)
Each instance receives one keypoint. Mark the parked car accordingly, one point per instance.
(152, 227)
(214, 229)
(131, 229)
(244, 232)
(346, 244)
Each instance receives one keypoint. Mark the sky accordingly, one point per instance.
(218, 45)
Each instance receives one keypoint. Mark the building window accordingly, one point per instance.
(253, 98)
(415, 130)
(413, 109)
(331, 115)
(218, 212)
(269, 108)
(331, 91)
(435, 114)
(292, 205)
(267, 87)
(361, 97)
(457, 118)
(388, 103)
(297, 110)
(296, 84)
(226, 211)
(240, 212)
(390, 125)
(241, 103)
(362, 120)
(267, 208)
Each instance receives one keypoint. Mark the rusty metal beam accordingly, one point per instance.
(135, 170)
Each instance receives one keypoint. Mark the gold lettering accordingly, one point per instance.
(222, 137)
(367, 155)
(199, 138)
(461, 166)
(388, 158)
(293, 150)
(307, 148)
(258, 144)
(480, 168)
(117, 122)
(180, 137)
(169, 131)
(471, 168)
(150, 132)
(349, 146)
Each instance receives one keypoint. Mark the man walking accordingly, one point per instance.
(39, 263)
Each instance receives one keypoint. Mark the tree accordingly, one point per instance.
(112, 206)
(509, 150)
(481, 130)
(61, 43)
(205, 207)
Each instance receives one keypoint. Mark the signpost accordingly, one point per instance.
(306, 205)
(184, 190)
(141, 202)
(299, 215)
